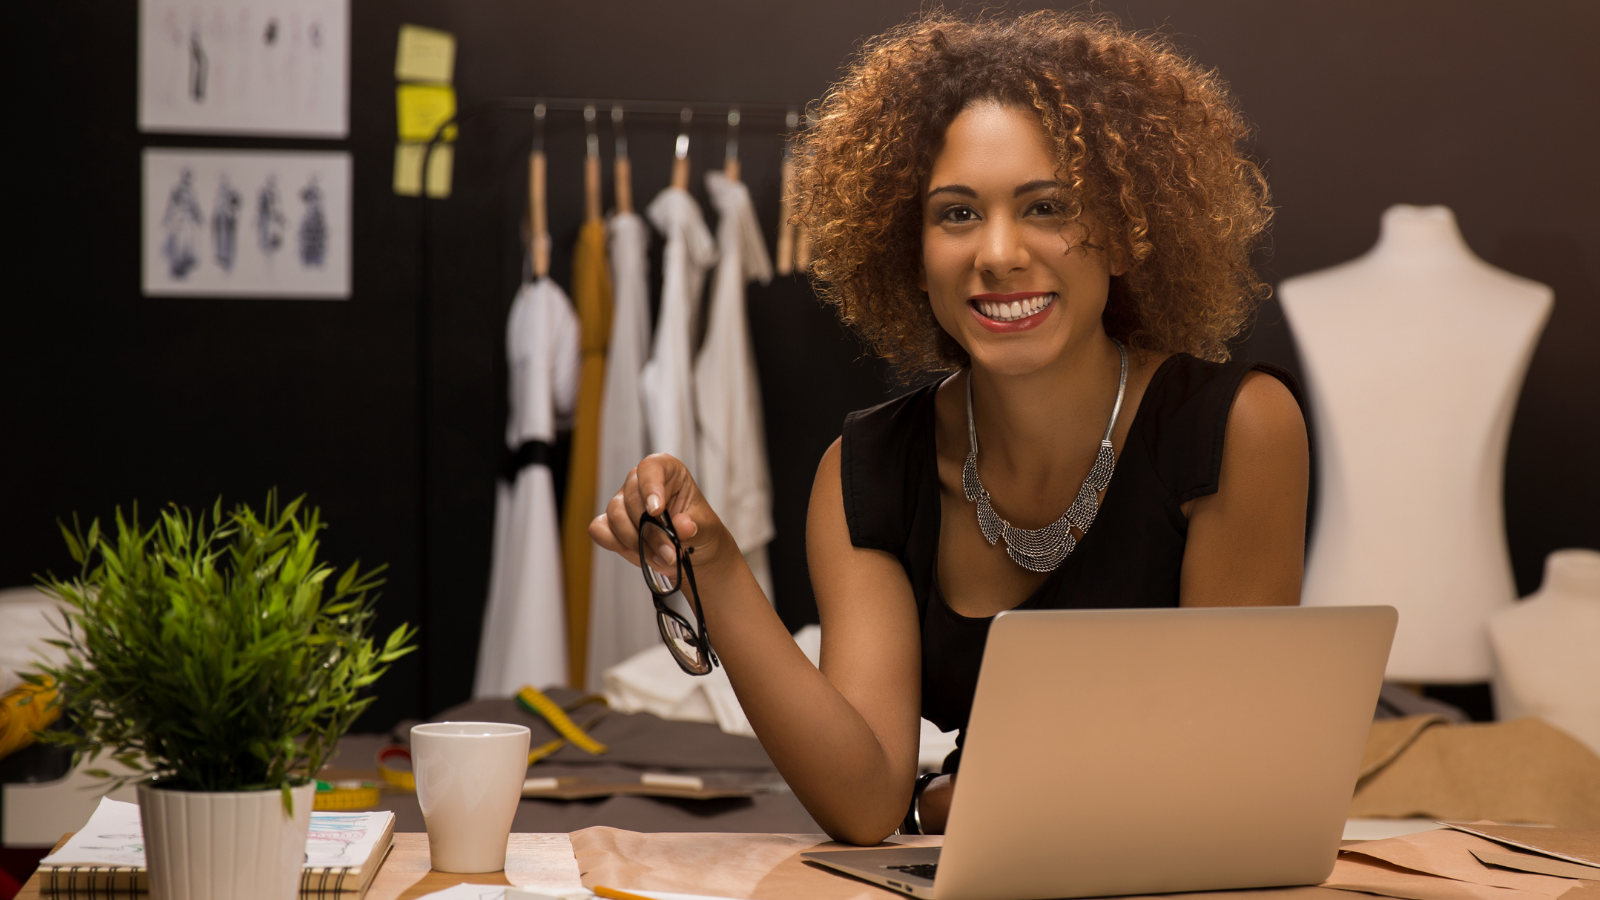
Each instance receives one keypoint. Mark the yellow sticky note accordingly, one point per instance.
(408, 169)
(425, 55)
(421, 108)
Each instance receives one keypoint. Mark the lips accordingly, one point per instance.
(1011, 308)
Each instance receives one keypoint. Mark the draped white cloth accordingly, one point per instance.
(666, 382)
(732, 471)
(622, 618)
(524, 625)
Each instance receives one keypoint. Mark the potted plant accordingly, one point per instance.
(218, 659)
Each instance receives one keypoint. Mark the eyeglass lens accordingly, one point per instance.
(681, 640)
(653, 540)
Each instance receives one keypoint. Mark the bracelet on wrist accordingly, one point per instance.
(913, 820)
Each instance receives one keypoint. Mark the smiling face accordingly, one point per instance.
(1009, 275)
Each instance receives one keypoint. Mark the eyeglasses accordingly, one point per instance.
(688, 643)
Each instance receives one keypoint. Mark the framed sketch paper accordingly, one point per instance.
(246, 224)
(268, 67)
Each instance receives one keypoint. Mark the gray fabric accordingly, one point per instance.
(1397, 702)
(636, 742)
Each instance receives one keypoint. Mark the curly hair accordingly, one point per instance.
(1149, 151)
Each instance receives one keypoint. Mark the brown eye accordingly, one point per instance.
(958, 215)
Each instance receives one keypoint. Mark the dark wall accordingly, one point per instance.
(110, 397)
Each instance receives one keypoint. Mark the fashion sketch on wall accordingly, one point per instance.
(276, 67)
(246, 224)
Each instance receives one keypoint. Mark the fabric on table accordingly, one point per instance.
(523, 640)
(652, 682)
(1390, 737)
(622, 619)
(1397, 702)
(732, 451)
(637, 742)
(1524, 770)
(667, 382)
(758, 866)
(591, 295)
(634, 739)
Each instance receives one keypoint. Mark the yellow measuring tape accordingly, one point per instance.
(534, 701)
(345, 795)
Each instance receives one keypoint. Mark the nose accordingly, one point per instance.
(1001, 251)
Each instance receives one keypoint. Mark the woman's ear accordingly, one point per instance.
(1117, 259)
(922, 277)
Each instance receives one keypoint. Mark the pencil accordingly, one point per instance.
(601, 890)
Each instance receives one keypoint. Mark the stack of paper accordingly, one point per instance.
(105, 858)
(1483, 861)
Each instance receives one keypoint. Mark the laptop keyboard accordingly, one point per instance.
(920, 870)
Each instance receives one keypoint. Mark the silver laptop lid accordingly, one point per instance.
(1147, 751)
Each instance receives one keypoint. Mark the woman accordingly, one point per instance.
(1054, 210)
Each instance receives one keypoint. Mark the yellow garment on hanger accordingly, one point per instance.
(591, 294)
(27, 709)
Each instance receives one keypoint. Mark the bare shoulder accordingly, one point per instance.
(1265, 418)
(1246, 542)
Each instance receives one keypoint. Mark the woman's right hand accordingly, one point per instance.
(661, 485)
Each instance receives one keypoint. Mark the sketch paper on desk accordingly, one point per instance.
(277, 67)
(246, 223)
(114, 836)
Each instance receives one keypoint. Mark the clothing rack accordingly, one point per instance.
(787, 115)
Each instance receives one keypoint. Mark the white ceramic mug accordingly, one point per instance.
(469, 781)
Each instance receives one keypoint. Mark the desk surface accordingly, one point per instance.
(547, 860)
(543, 859)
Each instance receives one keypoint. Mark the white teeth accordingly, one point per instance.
(1016, 309)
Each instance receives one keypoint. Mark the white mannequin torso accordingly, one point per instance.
(1414, 355)
(1546, 646)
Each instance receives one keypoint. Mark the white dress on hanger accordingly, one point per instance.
(524, 625)
(733, 473)
(622, 619)
(666, 383)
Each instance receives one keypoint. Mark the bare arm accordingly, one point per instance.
(845, 737)
(1246, 544)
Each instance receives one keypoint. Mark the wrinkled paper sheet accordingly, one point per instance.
(1438, 865)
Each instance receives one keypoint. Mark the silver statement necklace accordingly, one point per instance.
(1042, 549)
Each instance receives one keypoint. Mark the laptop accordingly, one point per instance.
(1142, 751)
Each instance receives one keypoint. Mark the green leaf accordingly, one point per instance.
(73, 546)
(200, 650)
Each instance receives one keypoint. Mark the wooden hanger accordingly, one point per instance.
(802, 240)
(591, 167)
(680, 153)
(622, 171)
(540, 232)
(730, 159)
(785, 261)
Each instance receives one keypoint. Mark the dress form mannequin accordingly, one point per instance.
(1414, 355)
(1546, 648)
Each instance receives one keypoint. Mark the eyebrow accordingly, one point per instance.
(1038, 184)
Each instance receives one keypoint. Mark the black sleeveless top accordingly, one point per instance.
(1132, 555)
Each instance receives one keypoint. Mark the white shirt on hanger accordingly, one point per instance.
(733, 472)
(524, 633)
(666, 383)
(622, 619)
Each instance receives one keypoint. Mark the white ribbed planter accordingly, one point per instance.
(224, 846)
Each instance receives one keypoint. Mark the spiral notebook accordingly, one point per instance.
(105, 858)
